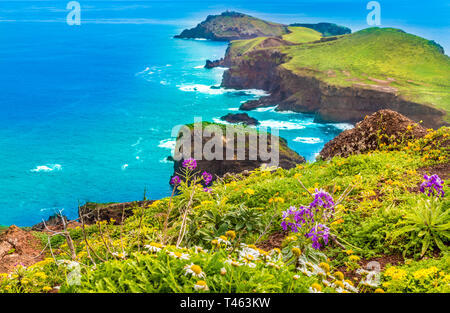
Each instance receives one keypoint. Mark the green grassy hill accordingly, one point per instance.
(386, 57)
(302, 35)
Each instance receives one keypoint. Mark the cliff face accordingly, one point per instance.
(263, 69)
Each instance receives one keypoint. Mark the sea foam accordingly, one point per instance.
(47, 168)
(308, 140)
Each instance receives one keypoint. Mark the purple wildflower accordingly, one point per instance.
(207, 177)
(297, 218)
(322, 199)
(316, 233)
(190, 164)
(208, 190)
(432, 186)
(175, 180)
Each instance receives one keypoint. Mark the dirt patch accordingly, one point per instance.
(382, 261)
(390, 125)
(442, 170)
(274, 241)
(18, 246)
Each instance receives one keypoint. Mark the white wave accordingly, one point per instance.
(124, 167)
(165, 160)
(272, 109)
(233, 109)
(163, 82)
(219, 121)
(308, 140)
(200, 39)
(282, 124)
(199, 66)
(168, 144)
(219, 90)
(47, 168)
(137, 142)
(343, 126)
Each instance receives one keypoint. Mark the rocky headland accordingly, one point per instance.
(325, 70)
(240, 118)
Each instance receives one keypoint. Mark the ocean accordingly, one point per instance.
(87, 111)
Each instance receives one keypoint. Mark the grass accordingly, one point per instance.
(302, 35)
(421, 72)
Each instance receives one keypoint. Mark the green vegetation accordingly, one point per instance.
(326, 29)
(200, 241)
(379, 56)
(302, 35)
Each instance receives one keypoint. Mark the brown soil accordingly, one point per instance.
(365, 136)
(274, 241)
(383, 261)
(442, 170)
(18, 246)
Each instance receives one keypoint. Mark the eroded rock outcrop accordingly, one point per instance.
(93, 212)
(237, 163)
(383, 127)
(18, 246)
(240, 118)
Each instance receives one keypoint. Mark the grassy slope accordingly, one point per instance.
(296, 35)
(302, 35)
(421, 73)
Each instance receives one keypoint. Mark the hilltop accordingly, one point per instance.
(233, 25)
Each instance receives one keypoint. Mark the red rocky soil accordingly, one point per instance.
(18, 246)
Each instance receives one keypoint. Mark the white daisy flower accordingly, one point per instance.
(201, 285)
(194, 270)
(154, 247)
(179, 255)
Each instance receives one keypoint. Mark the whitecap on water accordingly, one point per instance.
(217, 90)
(343, 126)
(47, 168)
(282, 124)
(124, 167)
(168, 144)
(308, 140)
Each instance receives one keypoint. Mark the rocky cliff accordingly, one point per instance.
(309, 91)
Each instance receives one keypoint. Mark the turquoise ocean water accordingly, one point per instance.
(87, 111)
